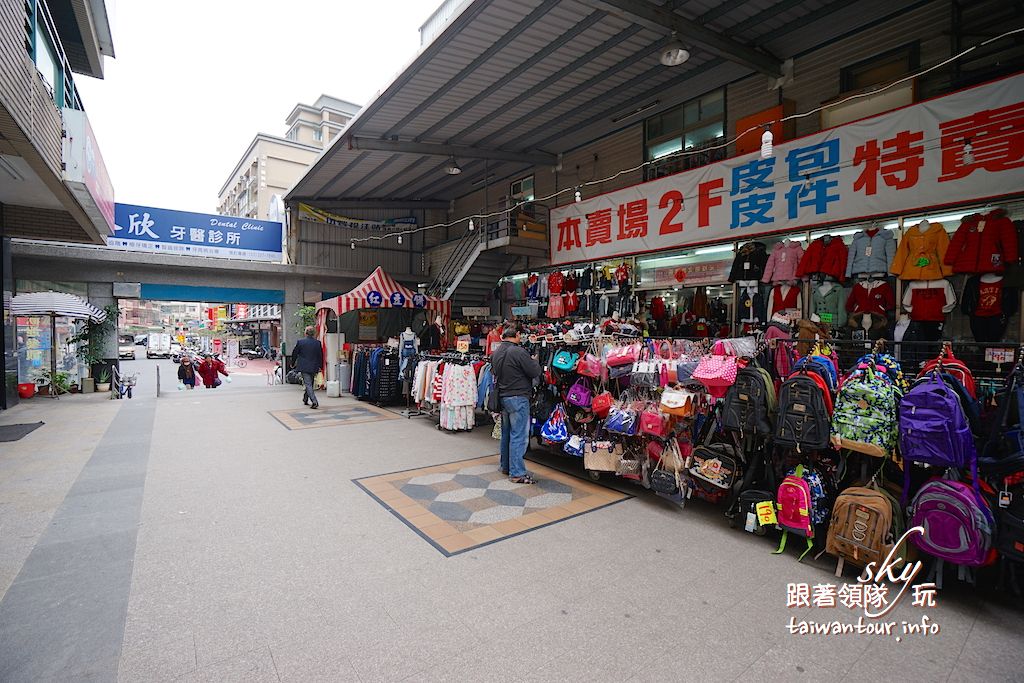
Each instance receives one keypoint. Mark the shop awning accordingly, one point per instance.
(58, 304)
(507, 85)
(378, 291)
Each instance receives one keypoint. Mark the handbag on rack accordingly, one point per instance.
(602, 404)
(575, 446)
(630, 467)
(622, 420)
(685, 368)
(664, 478)
(601, 456)
(678, 402)
(589, 366)
(716, 371)
(622, 355)
(645, 374)
(653, 422)
(565, 361)
(579, 395)
(555, 430)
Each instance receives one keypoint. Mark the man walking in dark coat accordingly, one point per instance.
(308, 359)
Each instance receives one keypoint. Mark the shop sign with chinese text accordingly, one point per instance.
(910, 159)
(690, 275)
(183, 233)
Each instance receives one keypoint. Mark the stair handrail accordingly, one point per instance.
(454, 264)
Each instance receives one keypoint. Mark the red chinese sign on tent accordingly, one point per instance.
(910, 159)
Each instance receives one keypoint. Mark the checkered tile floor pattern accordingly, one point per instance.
(331, 416)
(463, 505)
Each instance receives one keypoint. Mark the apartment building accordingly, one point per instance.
(271, 164)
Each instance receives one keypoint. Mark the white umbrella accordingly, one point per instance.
(55, 304)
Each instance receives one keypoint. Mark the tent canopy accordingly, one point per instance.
(56, 304)
(379, 290)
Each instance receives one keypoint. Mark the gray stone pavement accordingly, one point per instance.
(193, 537)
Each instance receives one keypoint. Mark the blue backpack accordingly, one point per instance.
(934, 430)
(820, 365)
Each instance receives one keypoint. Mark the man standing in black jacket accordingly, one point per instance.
(514, 369)
(308, 359)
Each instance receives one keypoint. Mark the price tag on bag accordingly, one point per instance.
(766, 513)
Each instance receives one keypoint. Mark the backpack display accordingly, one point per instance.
(750, 403)
(802, 504)
(933, 429)
(820, 365)
(958, 524)
(717, 464)
(887, 364)
(864, 417)
(1011, 528)
(861, 527)
(805, 413)
(947, 362)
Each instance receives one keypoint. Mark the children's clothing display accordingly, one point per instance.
(458, 398)
(875, 297)
(921, 253)
(752, 306)
(824, 256)
(828, 302)
(783, 297)
(783, 262)
(990, 304)
(929, 300)
(983, 244)
(871, 251)
(749, 262)
(532, 286)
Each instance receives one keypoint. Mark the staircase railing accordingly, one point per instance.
(455, 263)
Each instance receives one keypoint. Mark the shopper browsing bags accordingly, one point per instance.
(515, 370)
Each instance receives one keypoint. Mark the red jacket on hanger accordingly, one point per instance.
(827, 259)
(983, 244)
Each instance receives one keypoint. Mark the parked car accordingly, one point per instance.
(141, 339)
(126, 347)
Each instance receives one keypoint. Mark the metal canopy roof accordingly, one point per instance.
(510, 84)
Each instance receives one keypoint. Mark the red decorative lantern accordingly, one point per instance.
(680, 274)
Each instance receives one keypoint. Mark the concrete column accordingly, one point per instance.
(291, 326)
(101, 295)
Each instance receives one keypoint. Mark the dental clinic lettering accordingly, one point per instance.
(143, 227)
(871, 593)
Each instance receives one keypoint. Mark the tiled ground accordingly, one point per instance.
(331, 416)
(463, 505)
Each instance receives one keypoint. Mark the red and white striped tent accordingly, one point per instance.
(378, 291)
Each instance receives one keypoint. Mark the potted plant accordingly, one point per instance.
(90, 339)
(56, 383)
(103, 381)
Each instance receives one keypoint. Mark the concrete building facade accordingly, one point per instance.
(271, 164)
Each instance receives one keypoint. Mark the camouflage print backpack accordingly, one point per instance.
(864, 417)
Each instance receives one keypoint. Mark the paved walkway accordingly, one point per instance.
(197, 537)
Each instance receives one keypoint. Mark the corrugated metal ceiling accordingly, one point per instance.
(546, 76)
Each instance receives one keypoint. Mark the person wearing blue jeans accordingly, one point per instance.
(515, 435)
(514, 371)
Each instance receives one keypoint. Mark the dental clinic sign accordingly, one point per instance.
(911, 159)
(182, 233)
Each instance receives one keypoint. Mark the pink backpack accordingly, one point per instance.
(794, 505)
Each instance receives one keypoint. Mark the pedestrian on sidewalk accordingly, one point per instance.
(308, 359)
(209, 369)
(187, 372)
(515, 370)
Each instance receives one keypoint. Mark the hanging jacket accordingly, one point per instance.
(783, 262)
(983, 244)
(989, 299)
(752, 308)
(824, 256)
(929, 301)
(921, 255)
(749, 262)
(830, 307)
(870, 254)
(876, 300)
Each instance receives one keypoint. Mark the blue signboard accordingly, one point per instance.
(397, 300)
(374, 298)
(182, 233)
(419, 300)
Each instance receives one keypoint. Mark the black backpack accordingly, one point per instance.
(805, 419)
(749, 403)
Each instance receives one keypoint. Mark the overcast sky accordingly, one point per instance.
(194, 81)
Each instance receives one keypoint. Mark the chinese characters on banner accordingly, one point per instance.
(894, 163)
(182, 233)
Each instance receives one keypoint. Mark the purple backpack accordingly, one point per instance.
(958, 525)
(934, 430)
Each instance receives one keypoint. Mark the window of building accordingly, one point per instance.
(522, 190)
(292, 134)
(47, 63)
(694, 126)
(884, 68)
(318, 135)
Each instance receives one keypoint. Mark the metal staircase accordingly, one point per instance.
(482, 257)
